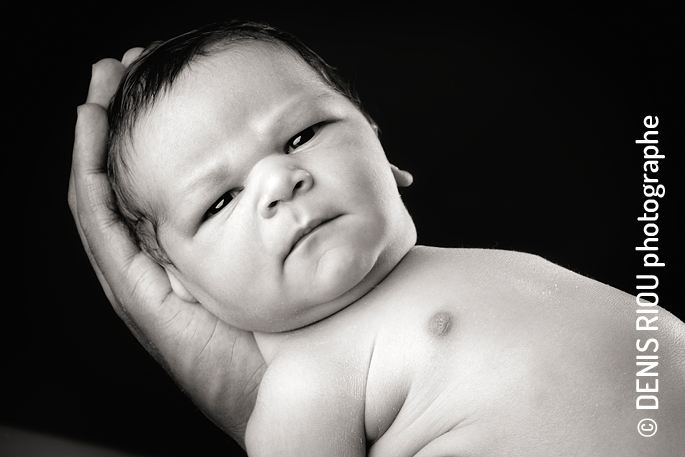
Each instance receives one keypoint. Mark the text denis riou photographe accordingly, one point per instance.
(647, 313)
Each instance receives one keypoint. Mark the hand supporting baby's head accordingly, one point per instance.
(249, 171)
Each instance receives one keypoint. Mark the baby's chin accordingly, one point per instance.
(341, 278)
(340, 275)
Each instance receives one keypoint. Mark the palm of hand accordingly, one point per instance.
(217, 365)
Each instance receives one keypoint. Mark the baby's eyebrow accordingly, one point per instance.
(211, 176)
(286, 115)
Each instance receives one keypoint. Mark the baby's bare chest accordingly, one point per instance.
(423, 370)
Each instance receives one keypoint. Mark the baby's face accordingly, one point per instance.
(277, 204)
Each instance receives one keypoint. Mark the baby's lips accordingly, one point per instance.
(307, 228)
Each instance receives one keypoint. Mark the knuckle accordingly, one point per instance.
(105, 66)
(105, 70)
(131, 55)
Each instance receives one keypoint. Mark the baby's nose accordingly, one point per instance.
(279, 183)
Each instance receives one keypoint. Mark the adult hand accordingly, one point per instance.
(218, 366)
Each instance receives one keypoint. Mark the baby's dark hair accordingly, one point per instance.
(154, 73)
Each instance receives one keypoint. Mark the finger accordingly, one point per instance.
(103, 281)
(106, 75)
(91, 132)
(119, 260)
(131, 55)
(73, 206)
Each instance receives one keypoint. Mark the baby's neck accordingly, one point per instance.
(270, 343)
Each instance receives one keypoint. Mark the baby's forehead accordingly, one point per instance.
(262, 72)
(254, 77)
(254, 57)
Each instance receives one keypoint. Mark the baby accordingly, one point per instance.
(250, 172)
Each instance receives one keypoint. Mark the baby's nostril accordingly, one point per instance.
(273, 203)
(299, 184)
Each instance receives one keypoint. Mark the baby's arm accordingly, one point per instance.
(305, 408)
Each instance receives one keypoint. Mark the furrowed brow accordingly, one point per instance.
(194, 193)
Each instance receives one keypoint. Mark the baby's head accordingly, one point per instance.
(247, 169)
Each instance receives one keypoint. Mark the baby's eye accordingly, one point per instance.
(301, 138)
(221, 203)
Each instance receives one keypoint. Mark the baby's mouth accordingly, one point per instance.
(302, 234)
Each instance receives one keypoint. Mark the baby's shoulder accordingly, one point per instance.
(513, 271)
(515, 263)
(304, 391)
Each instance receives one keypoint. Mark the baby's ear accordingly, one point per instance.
(402, 178)
(178, 288)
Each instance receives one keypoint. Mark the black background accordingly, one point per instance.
(518, 123)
